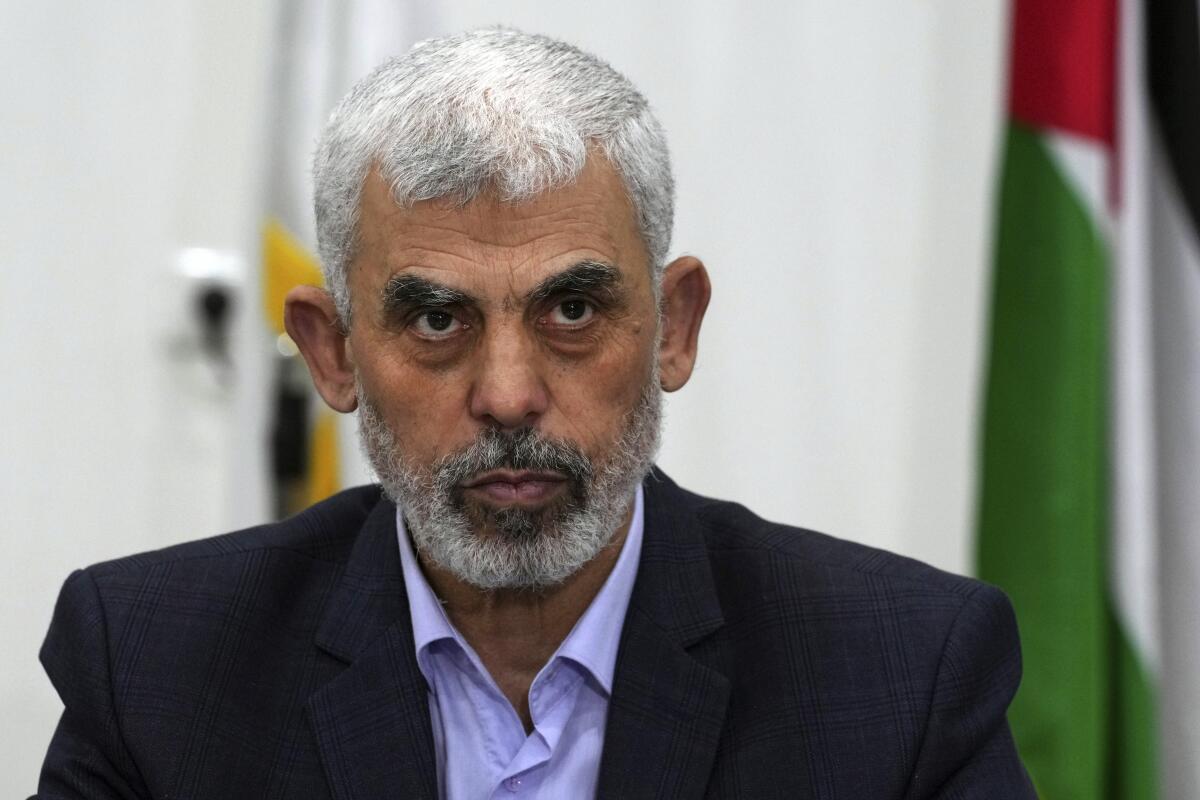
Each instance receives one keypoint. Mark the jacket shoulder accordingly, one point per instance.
(736, 533)
(210, 641)
(851, 654)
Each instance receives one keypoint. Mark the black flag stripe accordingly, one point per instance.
(1173, 64)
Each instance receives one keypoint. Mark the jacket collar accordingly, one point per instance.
(667, 708)
(675, 583)
(372, 721)
(369, 596)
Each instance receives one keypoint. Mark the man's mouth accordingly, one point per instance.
(516, 487)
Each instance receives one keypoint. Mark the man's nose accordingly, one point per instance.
(508, 391)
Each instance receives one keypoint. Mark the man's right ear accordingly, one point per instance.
(311, 319)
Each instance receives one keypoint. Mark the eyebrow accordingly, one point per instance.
(407, 291)
(586, 276)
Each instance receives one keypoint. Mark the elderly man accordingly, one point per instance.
(525, 607)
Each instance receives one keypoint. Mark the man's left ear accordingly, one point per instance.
(685, 294)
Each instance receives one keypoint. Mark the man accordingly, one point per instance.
(527, 608)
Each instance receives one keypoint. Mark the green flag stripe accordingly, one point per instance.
(1043, 503)
(1132, 744)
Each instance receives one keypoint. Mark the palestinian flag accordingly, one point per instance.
(1090, 489)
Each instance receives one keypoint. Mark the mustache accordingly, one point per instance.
(521, 449)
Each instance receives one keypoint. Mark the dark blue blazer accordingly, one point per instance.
(756, 661)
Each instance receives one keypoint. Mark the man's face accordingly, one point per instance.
(505, 361)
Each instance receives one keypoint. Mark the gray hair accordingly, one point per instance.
(492, 109)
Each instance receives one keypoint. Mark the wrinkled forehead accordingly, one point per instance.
(490, 243)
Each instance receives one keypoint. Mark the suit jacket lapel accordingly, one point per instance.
(667, 709)
(372, 722)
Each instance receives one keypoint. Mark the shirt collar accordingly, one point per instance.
(429, 620)
(592, 643)
(594, 640)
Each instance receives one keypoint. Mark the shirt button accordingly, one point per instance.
(512, 784)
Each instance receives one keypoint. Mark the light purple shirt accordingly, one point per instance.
(481, 747)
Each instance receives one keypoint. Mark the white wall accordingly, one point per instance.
(834, 164)
(129, 132)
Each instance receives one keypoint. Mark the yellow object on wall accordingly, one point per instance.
(286, 263)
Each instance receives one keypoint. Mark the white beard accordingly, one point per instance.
(525, 549)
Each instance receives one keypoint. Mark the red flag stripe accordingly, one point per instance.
(1063, 66)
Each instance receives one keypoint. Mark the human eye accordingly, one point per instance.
(436, 324)
(574, 312)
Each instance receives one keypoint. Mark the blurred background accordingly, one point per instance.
(848, 171)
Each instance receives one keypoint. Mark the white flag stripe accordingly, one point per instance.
(1176, 275)
(1085, 165)
(1133, 548)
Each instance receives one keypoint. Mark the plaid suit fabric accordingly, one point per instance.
(756, 660)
